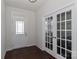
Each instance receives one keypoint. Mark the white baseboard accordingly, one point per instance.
(9, 49)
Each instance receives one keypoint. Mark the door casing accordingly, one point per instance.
(74, 32)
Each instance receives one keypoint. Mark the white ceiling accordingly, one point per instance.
(25, 4)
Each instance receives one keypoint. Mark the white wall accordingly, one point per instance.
(48, 7)
(3, 29)
(31, 32)
(34, 34)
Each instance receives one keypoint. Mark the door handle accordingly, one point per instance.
(54, 37)
(25, 34)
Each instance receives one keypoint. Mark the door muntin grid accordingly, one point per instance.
(64, 34)
(49, 33)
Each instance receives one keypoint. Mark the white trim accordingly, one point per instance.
(9, 49)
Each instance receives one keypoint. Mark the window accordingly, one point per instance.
(19, 27)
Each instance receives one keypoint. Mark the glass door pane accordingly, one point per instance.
(49, 33)
(64, 34)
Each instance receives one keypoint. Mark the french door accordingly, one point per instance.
(60, 33)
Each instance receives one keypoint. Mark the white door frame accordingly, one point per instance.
(74, 31)
(15, 40)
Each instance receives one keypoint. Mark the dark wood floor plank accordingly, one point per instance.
(28, 53)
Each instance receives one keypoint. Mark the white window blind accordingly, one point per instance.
(19, 27)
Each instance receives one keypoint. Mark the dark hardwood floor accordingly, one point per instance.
(28, 53)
